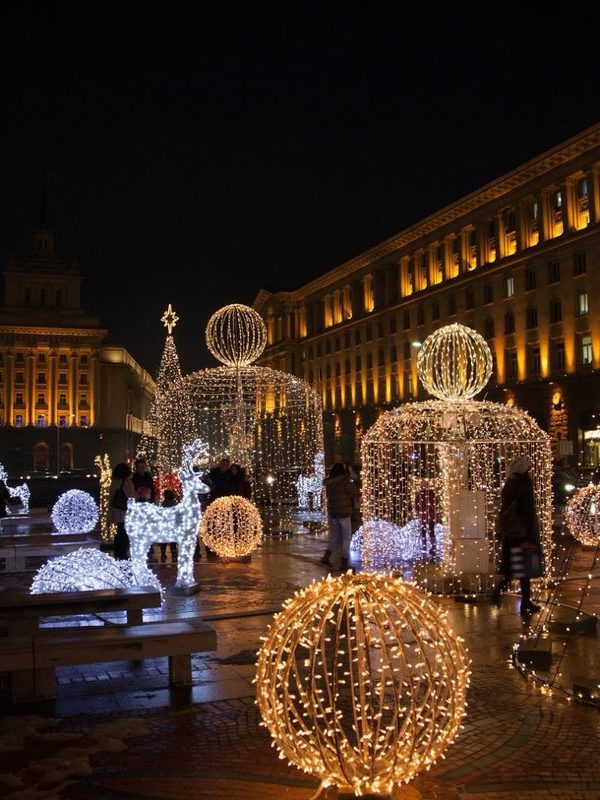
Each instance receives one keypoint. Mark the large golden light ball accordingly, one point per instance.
(454, 363)
(362, 682)
(582, 514)
(236, 335)
(231, 526)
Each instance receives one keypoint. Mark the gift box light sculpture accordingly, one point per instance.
(267, 421)
(444, 461)
(362, 682)
(88, 569)
(231, 526)
(75, 511)
(147, 523)
(583, 515)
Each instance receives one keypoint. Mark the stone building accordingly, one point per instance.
(518, 260)
(64, 396)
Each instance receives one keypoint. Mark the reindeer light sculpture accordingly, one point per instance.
(147, 523)
(22, 491)
(311, 486)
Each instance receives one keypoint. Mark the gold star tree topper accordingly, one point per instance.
(169, 319)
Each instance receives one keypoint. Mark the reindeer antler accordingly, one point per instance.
(192, 451)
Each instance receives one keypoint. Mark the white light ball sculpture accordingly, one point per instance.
(87, 569)
(583, 515)
(236, 335)
(362, 682)
(75, 511)
(231, 526)
(455, 363)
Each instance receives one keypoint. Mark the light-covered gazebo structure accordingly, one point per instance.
(444, 461)
(269, 422)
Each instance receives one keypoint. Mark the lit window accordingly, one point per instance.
(586, 349)
(83, 421)
(41, 421)
(582, 304)
(509, 286)
(19, 421)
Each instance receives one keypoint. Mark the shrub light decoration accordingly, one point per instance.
(75, 511)
(231, 526)
(458, 450)
(107, 529)
(87, 569)
(269, 422)
(583, 515)
(362, 682)
(378, 542)
(21, 492)
(147, 523)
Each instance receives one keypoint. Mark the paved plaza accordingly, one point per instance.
(118, 732)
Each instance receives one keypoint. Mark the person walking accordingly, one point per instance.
(169, 499)
(120, 490)
(425, 507)
(340, 491)
(240, 484)
(143, 482)
(518, 527)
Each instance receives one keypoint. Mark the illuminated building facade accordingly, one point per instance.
(64, 396)
(517, 260)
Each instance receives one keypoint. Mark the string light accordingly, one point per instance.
(582, 514)
(231, 526)
(446, 461)
(147, 523)
(362, 682)
(21, 492)
(107, 529)
(382, 543)
(310, 487)
(268, 422)
(75, 511)
(87, 569)
(236, 335)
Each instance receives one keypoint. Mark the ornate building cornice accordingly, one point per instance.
(35, 330)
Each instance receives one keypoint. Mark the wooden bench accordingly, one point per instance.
(31, 654)
(17, 553)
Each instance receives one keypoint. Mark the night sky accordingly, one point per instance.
(197, 152)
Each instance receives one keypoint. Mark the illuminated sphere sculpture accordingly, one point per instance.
(362, 682)
(231, 526)
(455, 363)
(582, 515)
(236, 335)
(75, 512)
(88, 569)
(444, 462)
(267, 421)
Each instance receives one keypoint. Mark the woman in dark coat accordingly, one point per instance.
(518, 493)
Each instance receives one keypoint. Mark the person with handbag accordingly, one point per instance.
(121, 489)
(519, 530)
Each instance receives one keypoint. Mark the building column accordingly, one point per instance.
(52, 393)
(8, 389)
(30, 389)
(73, 385)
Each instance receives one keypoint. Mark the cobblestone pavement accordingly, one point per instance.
(117, 731)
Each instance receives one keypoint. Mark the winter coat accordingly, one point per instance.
(521, 487)
(340, 492)
(117, 515)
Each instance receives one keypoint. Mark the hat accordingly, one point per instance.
(519, 466)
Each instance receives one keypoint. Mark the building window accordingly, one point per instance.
(19, 377)
(451, 305)
(83, 421)
(558, 355)
(553, 271)
(358, 363)
(585, 349)
(531, 318)
(509, 286)
(19, 399)
(488, 293)
(83, 361)
(469, 299)
(393, 354)
(509, 322)
(369, 360)
(406, 320)
(381, 358)
(407, 352)
(357, 336)
(408, 383)
(41, 358)
(420, 315)
(529, 280)
(41, 421)
(534, 360)
(327, 347)
(435, 311)
(579, 264)
(19, 421)
(41, 399)
(380, 330)
(19, 358)
(555, 310)
(347, 342)
(513, 364)
(489, 328)
(62, 377)
(582, 304)
(368, 293)
(62, 359)
(41, 377)
(393, 325)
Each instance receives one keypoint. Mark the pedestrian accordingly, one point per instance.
(169, 499)
(121, 489)
(143, 482)
(4, 499)
(518, 528)
(353, 474)
(219, 480)
(240, 484)
(340, 491)
(425, 507)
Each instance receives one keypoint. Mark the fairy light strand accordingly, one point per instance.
(231, 526)
(75, 511)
